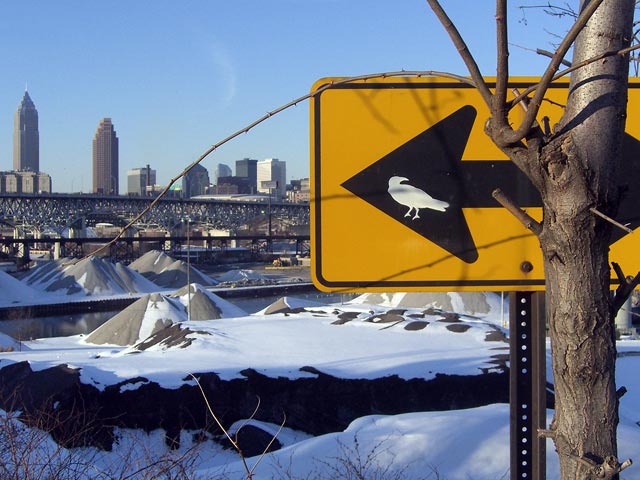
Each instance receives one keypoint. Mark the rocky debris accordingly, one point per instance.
(317, 404)
(474, 303)
(173, 336)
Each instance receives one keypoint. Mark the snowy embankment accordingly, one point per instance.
(410, 338)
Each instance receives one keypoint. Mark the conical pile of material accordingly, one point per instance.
(16, 292)
(156, 311)
(141, 319)
(167, 272)
(206, 305)
(89, 276)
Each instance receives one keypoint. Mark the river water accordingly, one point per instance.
(83, 323)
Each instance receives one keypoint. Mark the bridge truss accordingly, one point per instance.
(34, 214)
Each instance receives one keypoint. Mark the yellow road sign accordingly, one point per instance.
(402, 174)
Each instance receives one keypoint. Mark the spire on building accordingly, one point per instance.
(26, 138)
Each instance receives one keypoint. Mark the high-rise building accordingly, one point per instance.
(138, 179)
(195, 182)
(272, 177)
(26, 139)
(24, 181)
(221, 170)
(105, 159)
(247, 168)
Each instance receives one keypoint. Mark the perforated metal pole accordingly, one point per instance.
(527, 386)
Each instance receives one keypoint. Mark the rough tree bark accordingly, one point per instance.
(575, 169)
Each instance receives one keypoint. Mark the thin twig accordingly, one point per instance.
(268, 115)
(235, 443)
(575, 67)
(273, 439)
(610, 220)
(206, 401)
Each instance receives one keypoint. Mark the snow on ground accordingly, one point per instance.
(354, 340)
(349, 341)
(242, 276)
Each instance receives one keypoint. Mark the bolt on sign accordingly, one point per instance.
(402, 176)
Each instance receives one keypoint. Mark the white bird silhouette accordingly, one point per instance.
(413, 197)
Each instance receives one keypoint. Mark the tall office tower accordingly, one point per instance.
(105, 159)
(272, 170)
(26, 139)
(195, 182)
(247, 168)
(138, 179)
(221, 170)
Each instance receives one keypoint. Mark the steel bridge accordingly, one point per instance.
(31, 215)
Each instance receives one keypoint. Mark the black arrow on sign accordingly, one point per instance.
(424, 184)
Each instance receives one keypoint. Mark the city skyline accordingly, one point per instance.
(173, 96)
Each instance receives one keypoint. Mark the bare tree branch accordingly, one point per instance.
(572, 68)
(509, 136)
(463, 50)
(499, 108)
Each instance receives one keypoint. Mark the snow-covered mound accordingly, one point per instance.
(469, 303)
(9, 344)
(349, 341)
(206, 305)
(165, 271)
(243, 276)
(141, 319)
(15, 292)
(155, 312)
(88, 276)
(289, 304)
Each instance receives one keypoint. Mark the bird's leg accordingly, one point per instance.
(408, 214)
(416, 215)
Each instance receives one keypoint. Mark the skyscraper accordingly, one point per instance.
(195, 182)
(247, 167)
(105, 159)
(26, 139)
(138, 179)
(221, 170)
(272, 172)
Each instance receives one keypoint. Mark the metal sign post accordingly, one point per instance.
(527, 385)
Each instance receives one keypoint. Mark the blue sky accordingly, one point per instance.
(178, 76)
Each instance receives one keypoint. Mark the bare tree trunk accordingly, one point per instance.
(575, 168)
(579, 172)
